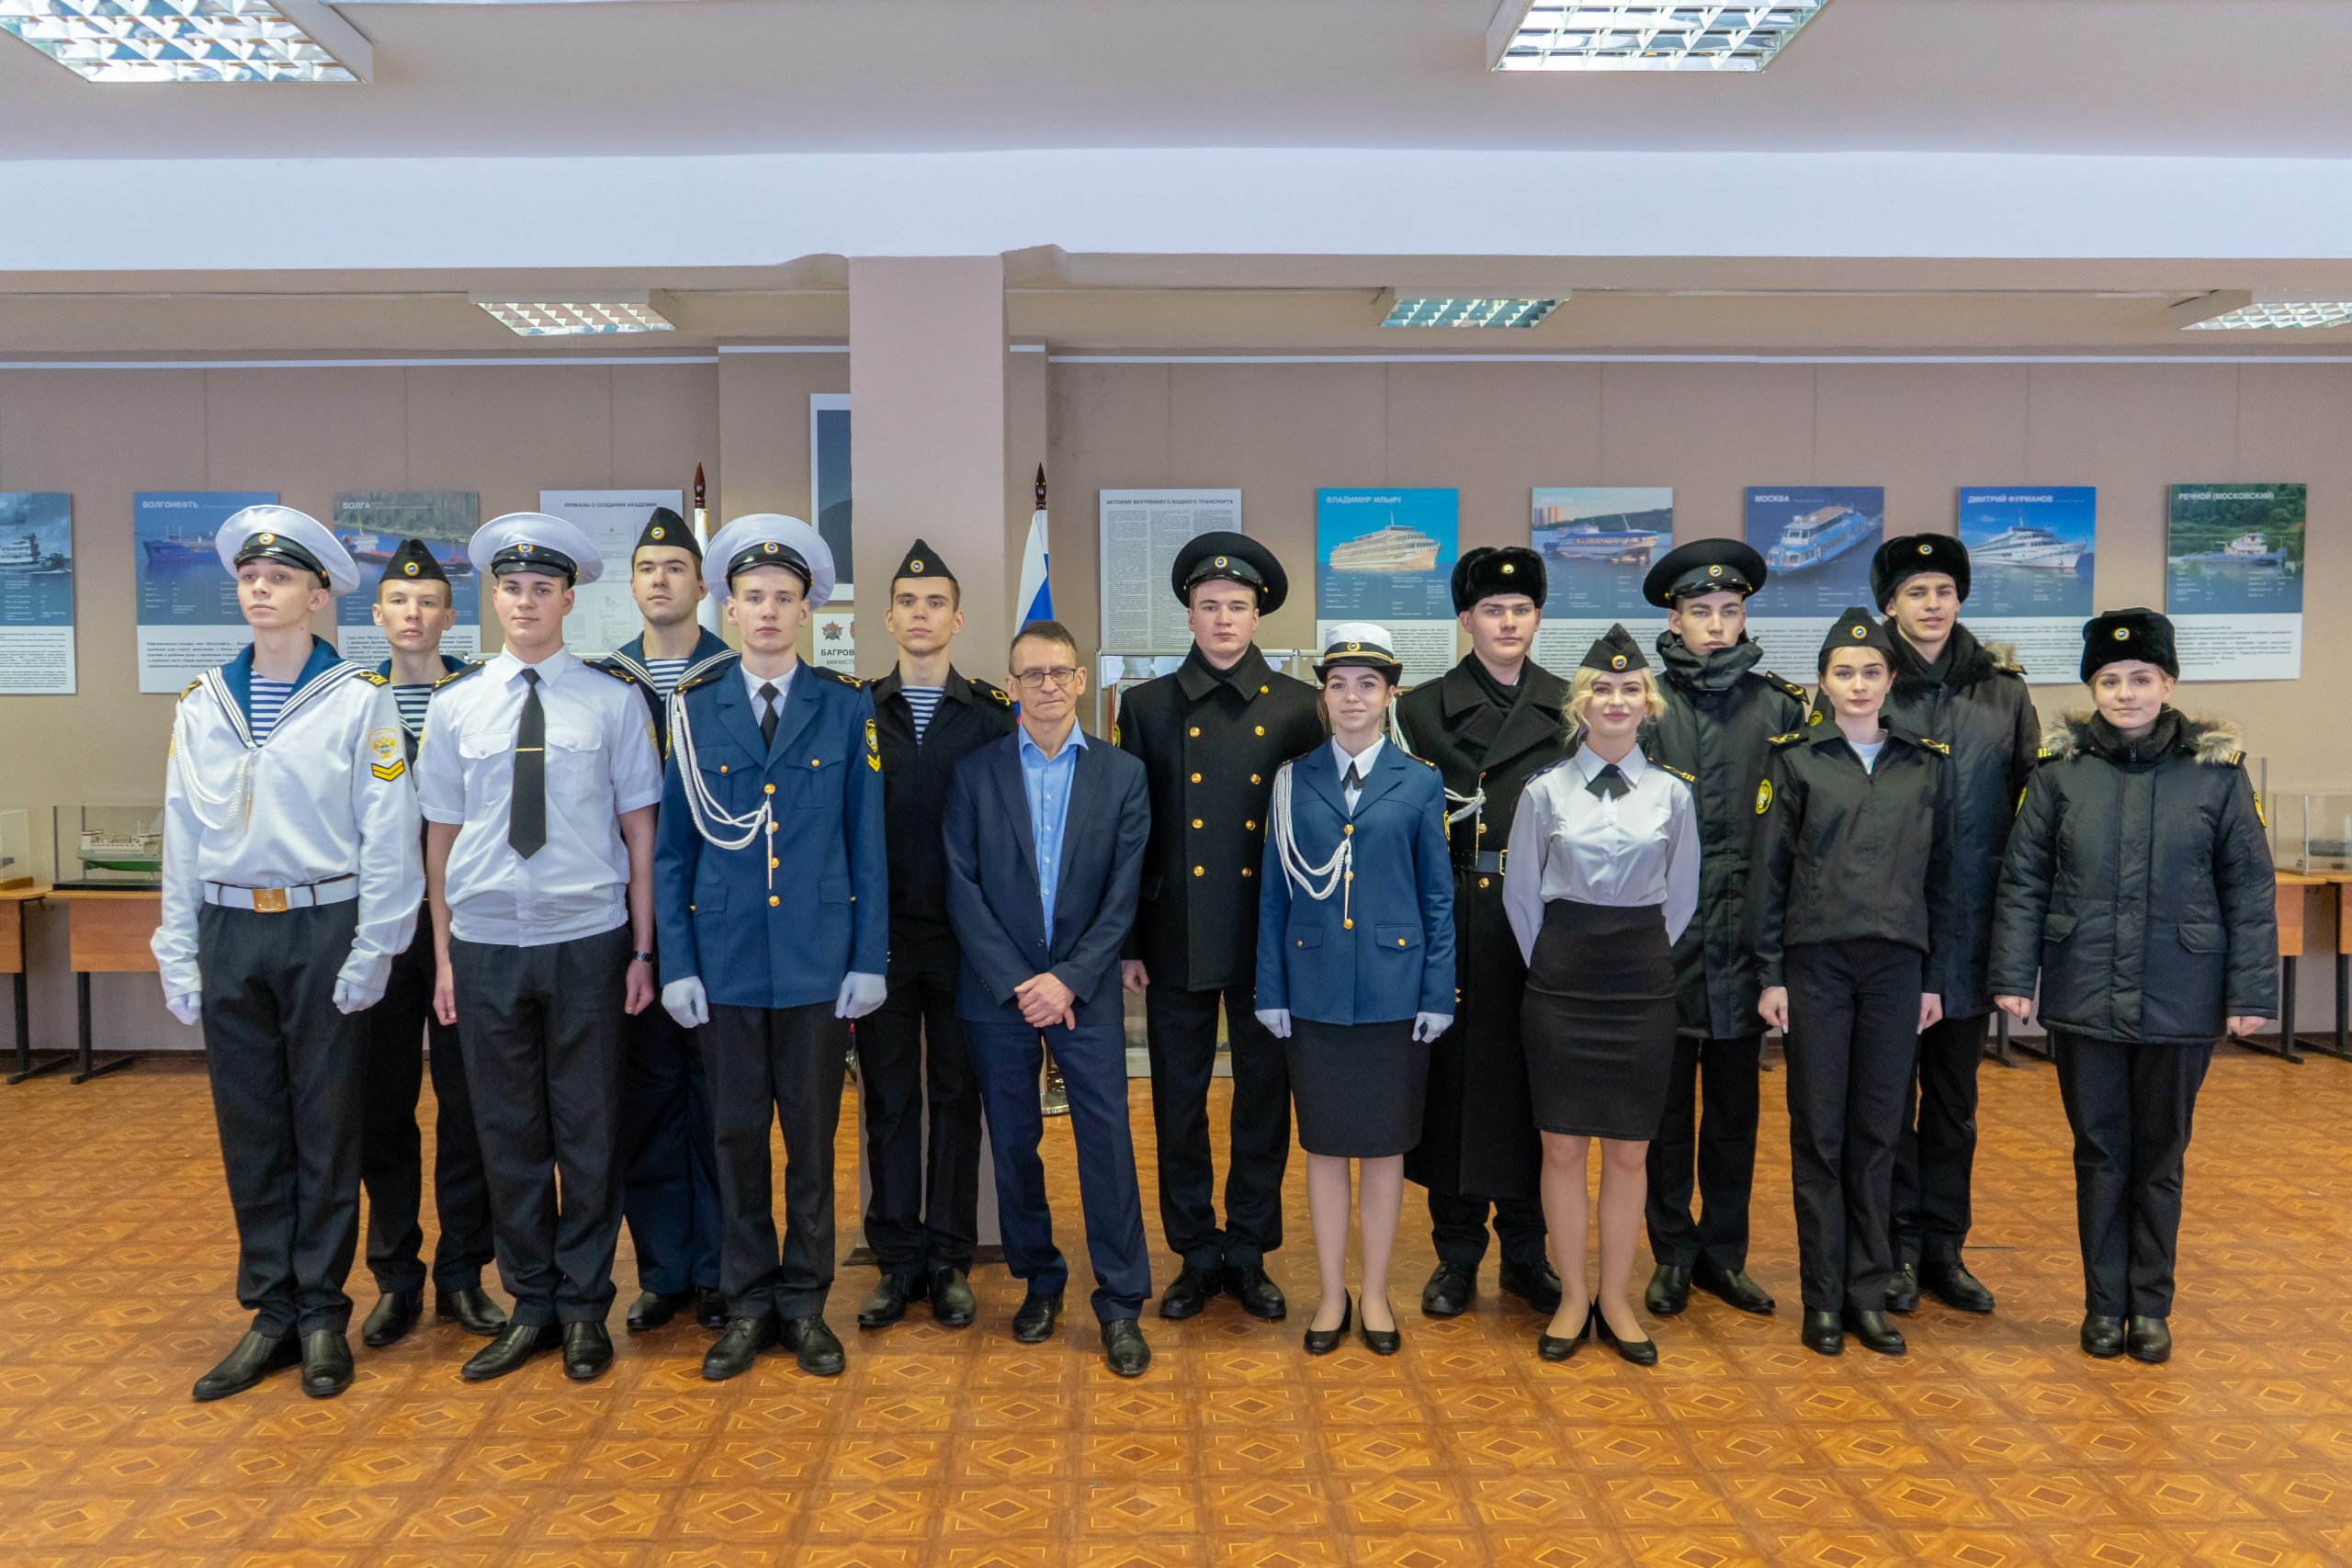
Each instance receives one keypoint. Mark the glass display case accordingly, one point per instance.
(110, 846)
(2311, 832)
(16, 849)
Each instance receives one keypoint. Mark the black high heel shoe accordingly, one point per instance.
(1552, 1347)
(1323, 1341)
(1381, 1341)
(1641, 1352)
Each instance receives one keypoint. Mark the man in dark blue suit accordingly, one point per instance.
(771, 898)
(1044, 836)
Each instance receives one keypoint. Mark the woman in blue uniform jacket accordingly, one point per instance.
(1355, 965)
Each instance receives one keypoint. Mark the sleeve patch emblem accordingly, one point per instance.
(385, 746)
(1763, 796)
(873, 750)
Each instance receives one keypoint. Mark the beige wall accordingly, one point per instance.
(1495, 431)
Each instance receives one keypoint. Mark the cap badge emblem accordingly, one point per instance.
(410, 568)
(1926, 550)
(1220, 560)
(1861, 632)
(267, 539)
(1355, 647)
(2123, 633)
(522, 549)
(914, 566)
(1509, 567)
(1714, 572)
(1616, 661)
(657, 530)
(769, 546)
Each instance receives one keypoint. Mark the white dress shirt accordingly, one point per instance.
(1362, 763)
(601, 763)
(1641, 847)
(326, 796)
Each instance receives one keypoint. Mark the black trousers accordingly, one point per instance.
(1180, 1031)
(1853, 1021)
(286, 1072)
(1709, 1128)
(772, 1066)
(542, 1033)
(391, 1162)
(922, 1212)
(1935, 1159)
(2131, 1107)
(669, 1188)
(1458, 1227)
(1095, 1068)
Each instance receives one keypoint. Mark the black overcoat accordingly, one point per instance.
(915, 780)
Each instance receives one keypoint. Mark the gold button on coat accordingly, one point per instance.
(1196, 822)
(774, 900)
(1200, 870)
(769, 788)
(1195, 730)
(1196, 778)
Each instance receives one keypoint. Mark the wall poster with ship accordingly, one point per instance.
(2029, 554)
(1597, 543)
(189, 619)
(2233, 580)
(36, 593)
(1388, 556)
(371, 523)
(1817, 541)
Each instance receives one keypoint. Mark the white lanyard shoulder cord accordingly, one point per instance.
(1336, 874)
(709, 817)
(235, 807)
(1469, 805)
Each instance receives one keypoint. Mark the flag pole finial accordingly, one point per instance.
(1041, 486)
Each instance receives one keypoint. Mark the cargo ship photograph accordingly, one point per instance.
(1814, 539)
(2026, 545)
(178, 549)
(1390, 549)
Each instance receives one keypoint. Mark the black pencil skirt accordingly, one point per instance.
(1599, 1020)
(1357, 1087)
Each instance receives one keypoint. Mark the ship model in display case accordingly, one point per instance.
(111, 847)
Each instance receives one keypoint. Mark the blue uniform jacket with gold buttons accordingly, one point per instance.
(778, 922)
(1380, 949)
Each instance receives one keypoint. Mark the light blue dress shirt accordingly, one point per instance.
(1047, 781)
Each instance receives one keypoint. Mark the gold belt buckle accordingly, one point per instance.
(270, 900)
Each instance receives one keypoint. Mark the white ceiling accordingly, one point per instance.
(2212, 78)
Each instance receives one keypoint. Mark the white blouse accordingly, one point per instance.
(1567, 843)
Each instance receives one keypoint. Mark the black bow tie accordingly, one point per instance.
(1608, 783)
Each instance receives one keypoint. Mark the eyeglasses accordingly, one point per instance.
(1060, 676)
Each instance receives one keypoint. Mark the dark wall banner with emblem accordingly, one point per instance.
(189, 619)
(2233, 580)
(1817, 541)
(36, 593)
(1597, 541)
(371, 523)
(1388, 556)
(2029, 553)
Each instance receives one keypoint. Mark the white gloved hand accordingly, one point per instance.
(1429, 1025)
(350, 996)
(861, 994)
(1277, 1022)
(687, 1003)
(188, 1007)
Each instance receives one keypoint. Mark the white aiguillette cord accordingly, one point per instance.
(1470, 805)
(704, 807)
(1336, 874)
(237, 802)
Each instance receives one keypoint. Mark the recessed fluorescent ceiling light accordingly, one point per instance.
(2236, 310)
(192, 40)
(609, 312)
(1402, 309)
(1642, 35)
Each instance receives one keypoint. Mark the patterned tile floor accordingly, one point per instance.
(1994, 1444)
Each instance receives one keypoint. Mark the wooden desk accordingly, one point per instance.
(12, 964)
(106, 932)
(2340, 1045)
(2296, 892)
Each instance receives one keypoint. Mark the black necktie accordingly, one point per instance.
(1608, 783)
(767, 712)
(526, 819)
(1354, 780)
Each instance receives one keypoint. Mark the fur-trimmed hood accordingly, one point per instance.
(2214, 741)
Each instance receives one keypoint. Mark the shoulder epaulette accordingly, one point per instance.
(1678, 772)
(1790, 739)
(455, 675)
(1421, 760)
(190, 688)
(615, 671)
(373, 679)
(697, 680)
(1938, 747)
(836, 676)
(1786, 688)
(996, 694)
(2045, 753)
(2237, 759)
(1548, 767)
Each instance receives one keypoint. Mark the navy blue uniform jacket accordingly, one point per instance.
(780, 935)
(1391, 953)
(993, 880)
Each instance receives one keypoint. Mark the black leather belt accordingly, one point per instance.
(1485, 860)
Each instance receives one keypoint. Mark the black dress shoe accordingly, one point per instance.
(653, 1308)
(256, 1356)
(739, 1346)
(1823, 1333)
(952, 1304)
(1668, 1292)
(1186, 1294)
(473, 1309)
(1950, 1283)
(2102, 1335)
(1449, 1290)
(1323, 1341)
(1380, 1341)
(1551, 1347)
(1538, 1287)
(1258, 1296)
(814, 1347)
(396, 1312)
(2149, 1340)
(1733, 1288)
(888, 1302)
(326, 1363)
(1874, 1333)
(1641, 1352)
(587, 1352)
(1034, 1324)
(1124, 1350)
(1902, 1288)
(710, 1307)
(516, 1344)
